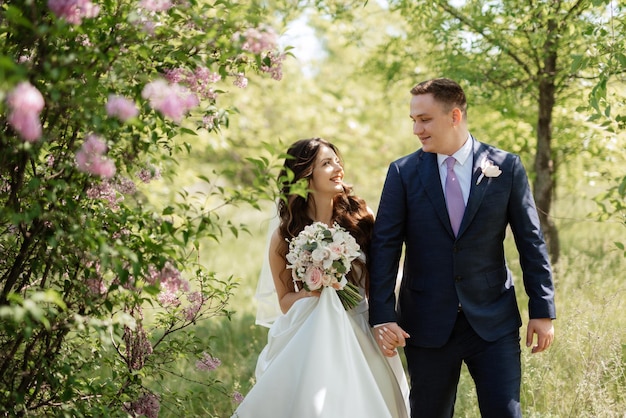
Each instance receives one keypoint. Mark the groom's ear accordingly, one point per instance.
(457, 116)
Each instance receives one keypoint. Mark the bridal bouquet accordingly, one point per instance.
(321, 257)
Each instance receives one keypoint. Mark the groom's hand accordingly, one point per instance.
(389, 336)
(545, 334)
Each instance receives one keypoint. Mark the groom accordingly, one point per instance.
(457, 298)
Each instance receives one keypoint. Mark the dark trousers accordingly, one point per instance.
(494, 366)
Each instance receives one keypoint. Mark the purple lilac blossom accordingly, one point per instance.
(199, 81)
(126, 186)
(148, 406)
(275, 69)
(208, 363)
(196, 300)
(259, 40)
(105, 191)
(241, 81)
(147, 174)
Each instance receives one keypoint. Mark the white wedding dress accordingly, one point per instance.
(322, 361)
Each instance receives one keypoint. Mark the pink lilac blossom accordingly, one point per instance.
(121, 108)
(84, 40)
(172, 100)
(156, 5)
(147, 174)
(26, 98)
(168, 298)
(241, 81)
(169, 290)
(143, 22)
(170, 279)
(105, 191)
(126, 186)
(90, 158)
(196, 300)
(153, 275)
(260, 39)
(73, 11)
(170, 282)
(148, 406)
(208, 363)
(25, 103)
(209, 121)
(27, 125)
(199, 81)
(275, 68)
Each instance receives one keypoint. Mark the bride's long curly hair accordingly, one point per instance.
(349, 210)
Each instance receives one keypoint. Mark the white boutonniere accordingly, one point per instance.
(489, 169)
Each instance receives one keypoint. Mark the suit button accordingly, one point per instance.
(455, 249)
(457, 278)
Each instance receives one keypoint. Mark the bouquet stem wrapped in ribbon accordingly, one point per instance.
(321, 256)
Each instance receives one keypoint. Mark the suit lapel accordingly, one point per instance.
(429, 176)
(477, 191)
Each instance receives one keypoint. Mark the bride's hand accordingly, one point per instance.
(390, 336)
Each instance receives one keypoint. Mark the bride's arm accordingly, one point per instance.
(282, 275)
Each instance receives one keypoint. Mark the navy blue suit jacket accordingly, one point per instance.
(441, 271)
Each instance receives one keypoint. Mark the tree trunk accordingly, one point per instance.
(544, 166)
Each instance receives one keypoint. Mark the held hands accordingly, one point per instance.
(390, 336)
(545, 334)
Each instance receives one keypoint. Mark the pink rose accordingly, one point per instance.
(313, 278)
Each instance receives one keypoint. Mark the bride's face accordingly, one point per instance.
(327, 176)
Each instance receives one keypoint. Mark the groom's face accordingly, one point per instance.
(434, 126)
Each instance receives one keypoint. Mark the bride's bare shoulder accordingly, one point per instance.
(277, 240)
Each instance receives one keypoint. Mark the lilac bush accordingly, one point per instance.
(95, 100)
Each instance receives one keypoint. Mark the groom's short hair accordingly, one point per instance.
(447, 92)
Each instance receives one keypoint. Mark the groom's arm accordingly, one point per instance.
(534, 260)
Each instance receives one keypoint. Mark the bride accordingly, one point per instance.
(321, 360)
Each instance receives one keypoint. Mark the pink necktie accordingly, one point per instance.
(454, 196)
